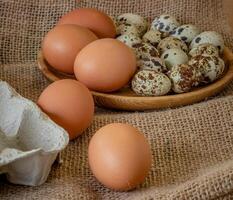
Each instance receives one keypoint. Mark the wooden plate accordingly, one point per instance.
(126, 99)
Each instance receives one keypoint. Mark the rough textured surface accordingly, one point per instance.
(192, 146)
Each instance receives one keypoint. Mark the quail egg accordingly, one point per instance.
(211, 67)
(150, 83)
(129, 39)
(204, 49)
(165, 24)
(153, 37)
(133, 19)
(171, 43)
(113, 18)
(186, 32)
(174, 57)
(152, 63)
(145, 50)
(125, 29)
(211, 37)
(184, 77)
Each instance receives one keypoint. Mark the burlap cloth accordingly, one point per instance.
(192, 146)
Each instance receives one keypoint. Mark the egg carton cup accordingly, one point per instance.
(29, 141)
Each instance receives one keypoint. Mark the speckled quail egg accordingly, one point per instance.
(129, 39)
(153, 37)
(171, 43)
(211, 67)
(184, 77)
(204, 49)
(152, 63)
(113, 18)
(174, 57)
(186, 32)
(150, 83)
(125, 29)
(211, 37)
(133, 19)
(165, 23)
(145, 50)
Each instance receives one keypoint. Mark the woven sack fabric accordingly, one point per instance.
(192, 146)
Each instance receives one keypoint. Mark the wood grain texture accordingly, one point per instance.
(126, 99)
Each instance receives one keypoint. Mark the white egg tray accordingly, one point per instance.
(29, 140)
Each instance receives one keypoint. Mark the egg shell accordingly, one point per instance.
(125, 29)
(95, 20)
(165, 23)
(68, 103)
(204, 49)
(153, 37)
(113, 18)
(171, 43)
(119, 156)
(150, 83)
(211, 67)
(129, 39)
(145, 50)
(133, 19)
(61, 45)
(152, 63)
(186, 32)
(184, 77)
(174, 57)
(211, 37)
(105, 65)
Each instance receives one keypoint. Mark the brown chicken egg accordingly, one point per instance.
(62, 44)
(97, 21)
(105, 65)
(68, 103)
(119, 156)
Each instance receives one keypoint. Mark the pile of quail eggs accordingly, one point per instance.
(170, 56)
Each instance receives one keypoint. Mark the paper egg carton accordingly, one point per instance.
(29, 140)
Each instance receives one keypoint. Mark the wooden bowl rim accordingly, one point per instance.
(205, 91)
